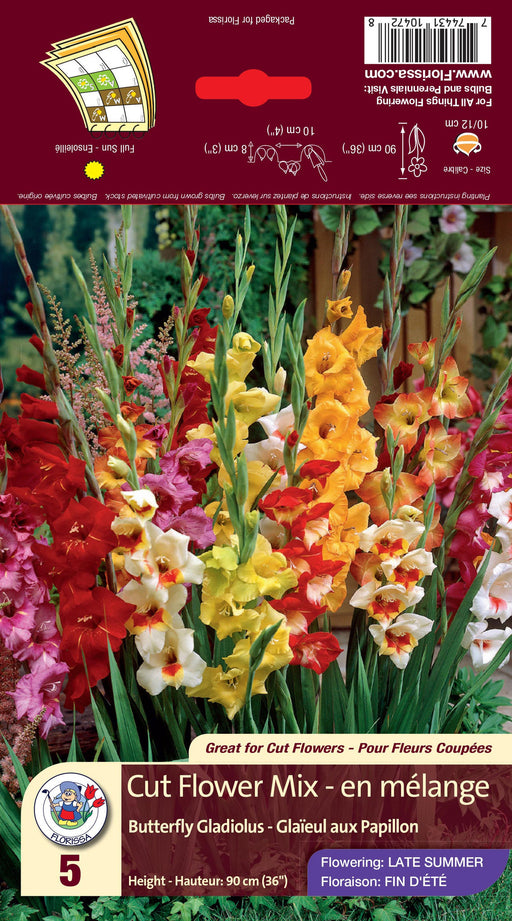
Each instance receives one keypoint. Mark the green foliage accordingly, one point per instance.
(495, 330)
(53, 237)
(218, 226)
(434, 253)
(13, 911)
(71, 909)
(113, 908)
(482, 714)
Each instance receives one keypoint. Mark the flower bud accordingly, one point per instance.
(279, 380)
(249, 272)
(228, 306)
(129, 436)
(386, 484)
(408, 513)
(118, 466)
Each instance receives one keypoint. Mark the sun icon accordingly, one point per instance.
(94, 169)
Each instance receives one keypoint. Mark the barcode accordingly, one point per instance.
(421, 40)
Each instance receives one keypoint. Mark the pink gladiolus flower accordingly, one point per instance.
(39, 691)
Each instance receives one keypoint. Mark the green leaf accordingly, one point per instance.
(494, 334)
(417, 292)
(418, 269)
(389, 912)
(366, 219)
(106, 742)
(474, 277)
(129, 742)
(330, 216)
(419, 222)
(10, 828)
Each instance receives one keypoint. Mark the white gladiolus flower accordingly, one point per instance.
(282, 422)
(494, 597)
(398, 639)
(483, 644)
(392, 538)
(385, 602)
(409, 568)
(167, 561)
(500, 507)
(154, 609)
(141, 501)
(270, 450)
(175, 665)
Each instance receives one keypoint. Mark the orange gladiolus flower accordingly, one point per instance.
(340, 308)
(409, 489)
(441, 453)
(329, 366)
(405, 415)
(361, 457)
(361, 340)
(328, 429)
(450, 397)
(424, 353)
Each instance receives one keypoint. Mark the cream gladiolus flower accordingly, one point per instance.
(270, 450)
(409, 568)
(494, 597)
(500, 508)
(397, 640)
(141, 501)
(393, 538)
(385, 602)
(483, 644)
(174, 665)
(155, 607)
(166, 561)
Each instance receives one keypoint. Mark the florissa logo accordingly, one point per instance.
(71, 809)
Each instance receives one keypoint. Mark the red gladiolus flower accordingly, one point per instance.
(28, 376)
(36, 408)
(313, 524)
(37, 342)
(400, 374)
(318, 470)
(94, 620)
(314, 650)
(285, 505)
(83, 534)
(118, 354)
(298, 610)
(131, 383)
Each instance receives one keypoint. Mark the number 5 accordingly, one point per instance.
(70, 873)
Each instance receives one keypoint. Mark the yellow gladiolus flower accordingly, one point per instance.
(328, 430)
(337, 309)
(329, 365)
(226, 688)
(361, 340)
(249, 405)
